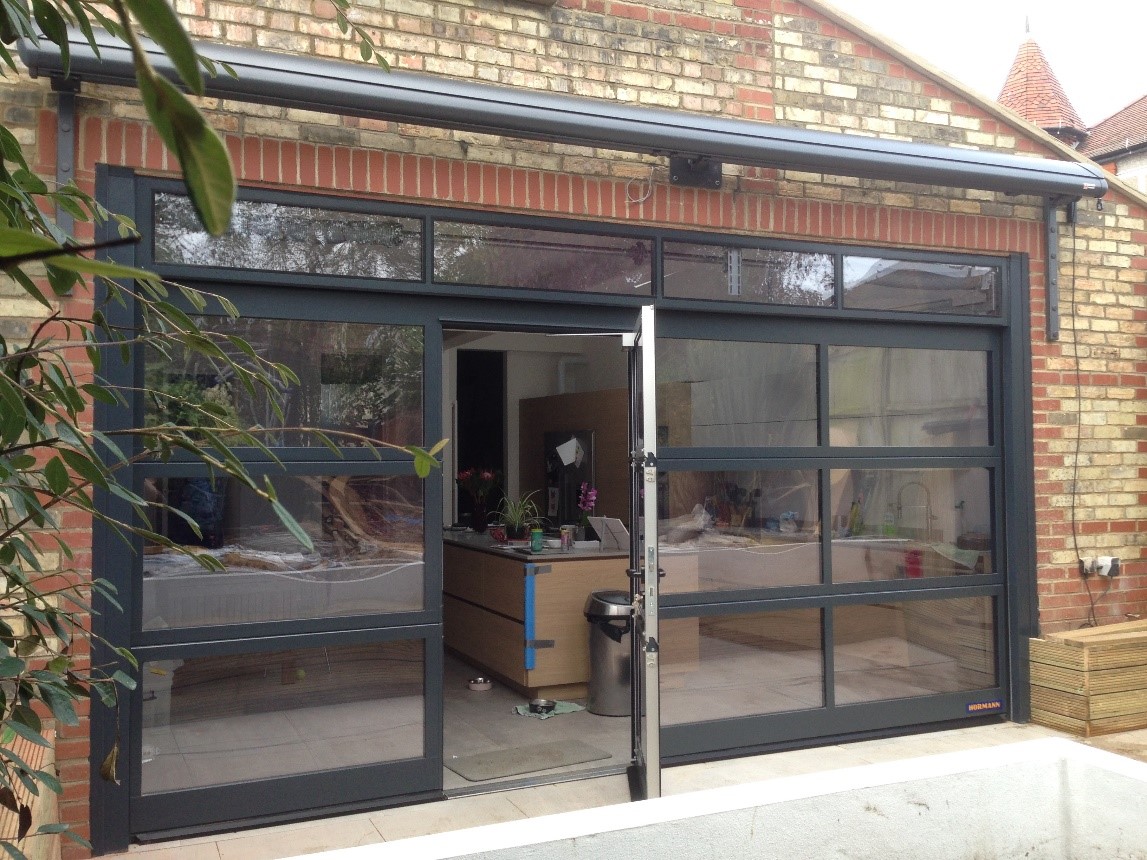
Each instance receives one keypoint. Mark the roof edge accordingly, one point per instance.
(338, 87)
(990, 105)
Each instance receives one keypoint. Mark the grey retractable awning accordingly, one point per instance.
(331, 86)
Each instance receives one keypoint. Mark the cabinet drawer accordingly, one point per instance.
(496, 642)
(484, 579)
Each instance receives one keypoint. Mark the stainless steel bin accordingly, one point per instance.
(610, 615)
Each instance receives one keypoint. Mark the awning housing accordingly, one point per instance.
(332, 86)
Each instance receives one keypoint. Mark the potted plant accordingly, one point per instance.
(518, 516)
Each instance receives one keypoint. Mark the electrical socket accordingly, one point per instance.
(1087, 566)
(1107, 565)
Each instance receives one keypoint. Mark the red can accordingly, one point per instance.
(914, 564)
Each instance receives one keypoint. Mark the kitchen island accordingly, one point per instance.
(519, 616)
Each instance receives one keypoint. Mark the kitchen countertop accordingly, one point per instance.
(484, 543)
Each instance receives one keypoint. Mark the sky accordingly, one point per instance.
(1096, 48)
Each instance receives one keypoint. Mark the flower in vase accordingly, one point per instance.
(478, 482)
(586, 500)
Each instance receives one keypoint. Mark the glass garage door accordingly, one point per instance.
(827, 526)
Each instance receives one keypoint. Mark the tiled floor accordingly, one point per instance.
(480, 722)
(388, 825)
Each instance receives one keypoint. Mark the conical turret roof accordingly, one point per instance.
(1033, 91)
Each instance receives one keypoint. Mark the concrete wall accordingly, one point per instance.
(1048, 799)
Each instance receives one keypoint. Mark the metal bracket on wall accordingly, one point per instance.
(65, 145)
(698, 172)
(1051, 227)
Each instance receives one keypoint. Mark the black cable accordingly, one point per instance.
(1092, 600)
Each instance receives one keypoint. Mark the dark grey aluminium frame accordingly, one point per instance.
(438, 306)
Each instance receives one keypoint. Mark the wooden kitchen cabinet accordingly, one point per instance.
(521, 617)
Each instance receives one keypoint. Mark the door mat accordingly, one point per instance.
(497, 764)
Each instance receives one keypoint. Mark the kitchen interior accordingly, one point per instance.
(544, 413)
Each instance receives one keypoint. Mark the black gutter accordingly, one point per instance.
(331, 86)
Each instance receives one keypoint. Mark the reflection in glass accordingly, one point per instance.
(736, 393)
(353, 377)
(728, 530)
(497, 256)
(240, 717)
(277, 238)
(910, 523)
(695, 271)
(882, 396)
(908, 285)
(367, 532)
(718, 667)
(914, 648)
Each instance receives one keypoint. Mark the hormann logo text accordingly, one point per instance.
(977, 707)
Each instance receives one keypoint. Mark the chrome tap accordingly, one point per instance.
(928, 517)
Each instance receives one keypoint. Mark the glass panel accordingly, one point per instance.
(722, 530)
(353, 377)
(240, 717)
(718, 667)
(367, 532)
(735, 393)
(276, 238)
(695, 271)
(909, 524)
(907, 397)
(496, 256)
(934, 288)
(914, 648)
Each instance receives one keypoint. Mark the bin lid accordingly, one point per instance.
(608, 604)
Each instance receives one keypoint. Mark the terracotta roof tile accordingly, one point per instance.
(1125, 129)
(1033, 91)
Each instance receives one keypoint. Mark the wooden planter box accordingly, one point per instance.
(1092, 681)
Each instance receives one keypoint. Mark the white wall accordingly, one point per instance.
(1133, 169)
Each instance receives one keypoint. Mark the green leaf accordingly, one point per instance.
(27, 733)
(55, 28)
(12, 412)
(123, 679)
(10, 148)
(159, 21)
(201, 152)
(60, 704)
(16, 242)
(51, 828)
(85, 467)
(292, 525)
(98, 392)
(76, 263)
(13, 852)
(70, 206)
(29, 181)
(56, 474)
(10, 667)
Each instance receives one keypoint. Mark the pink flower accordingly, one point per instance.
(587, 497)
(478, 482)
